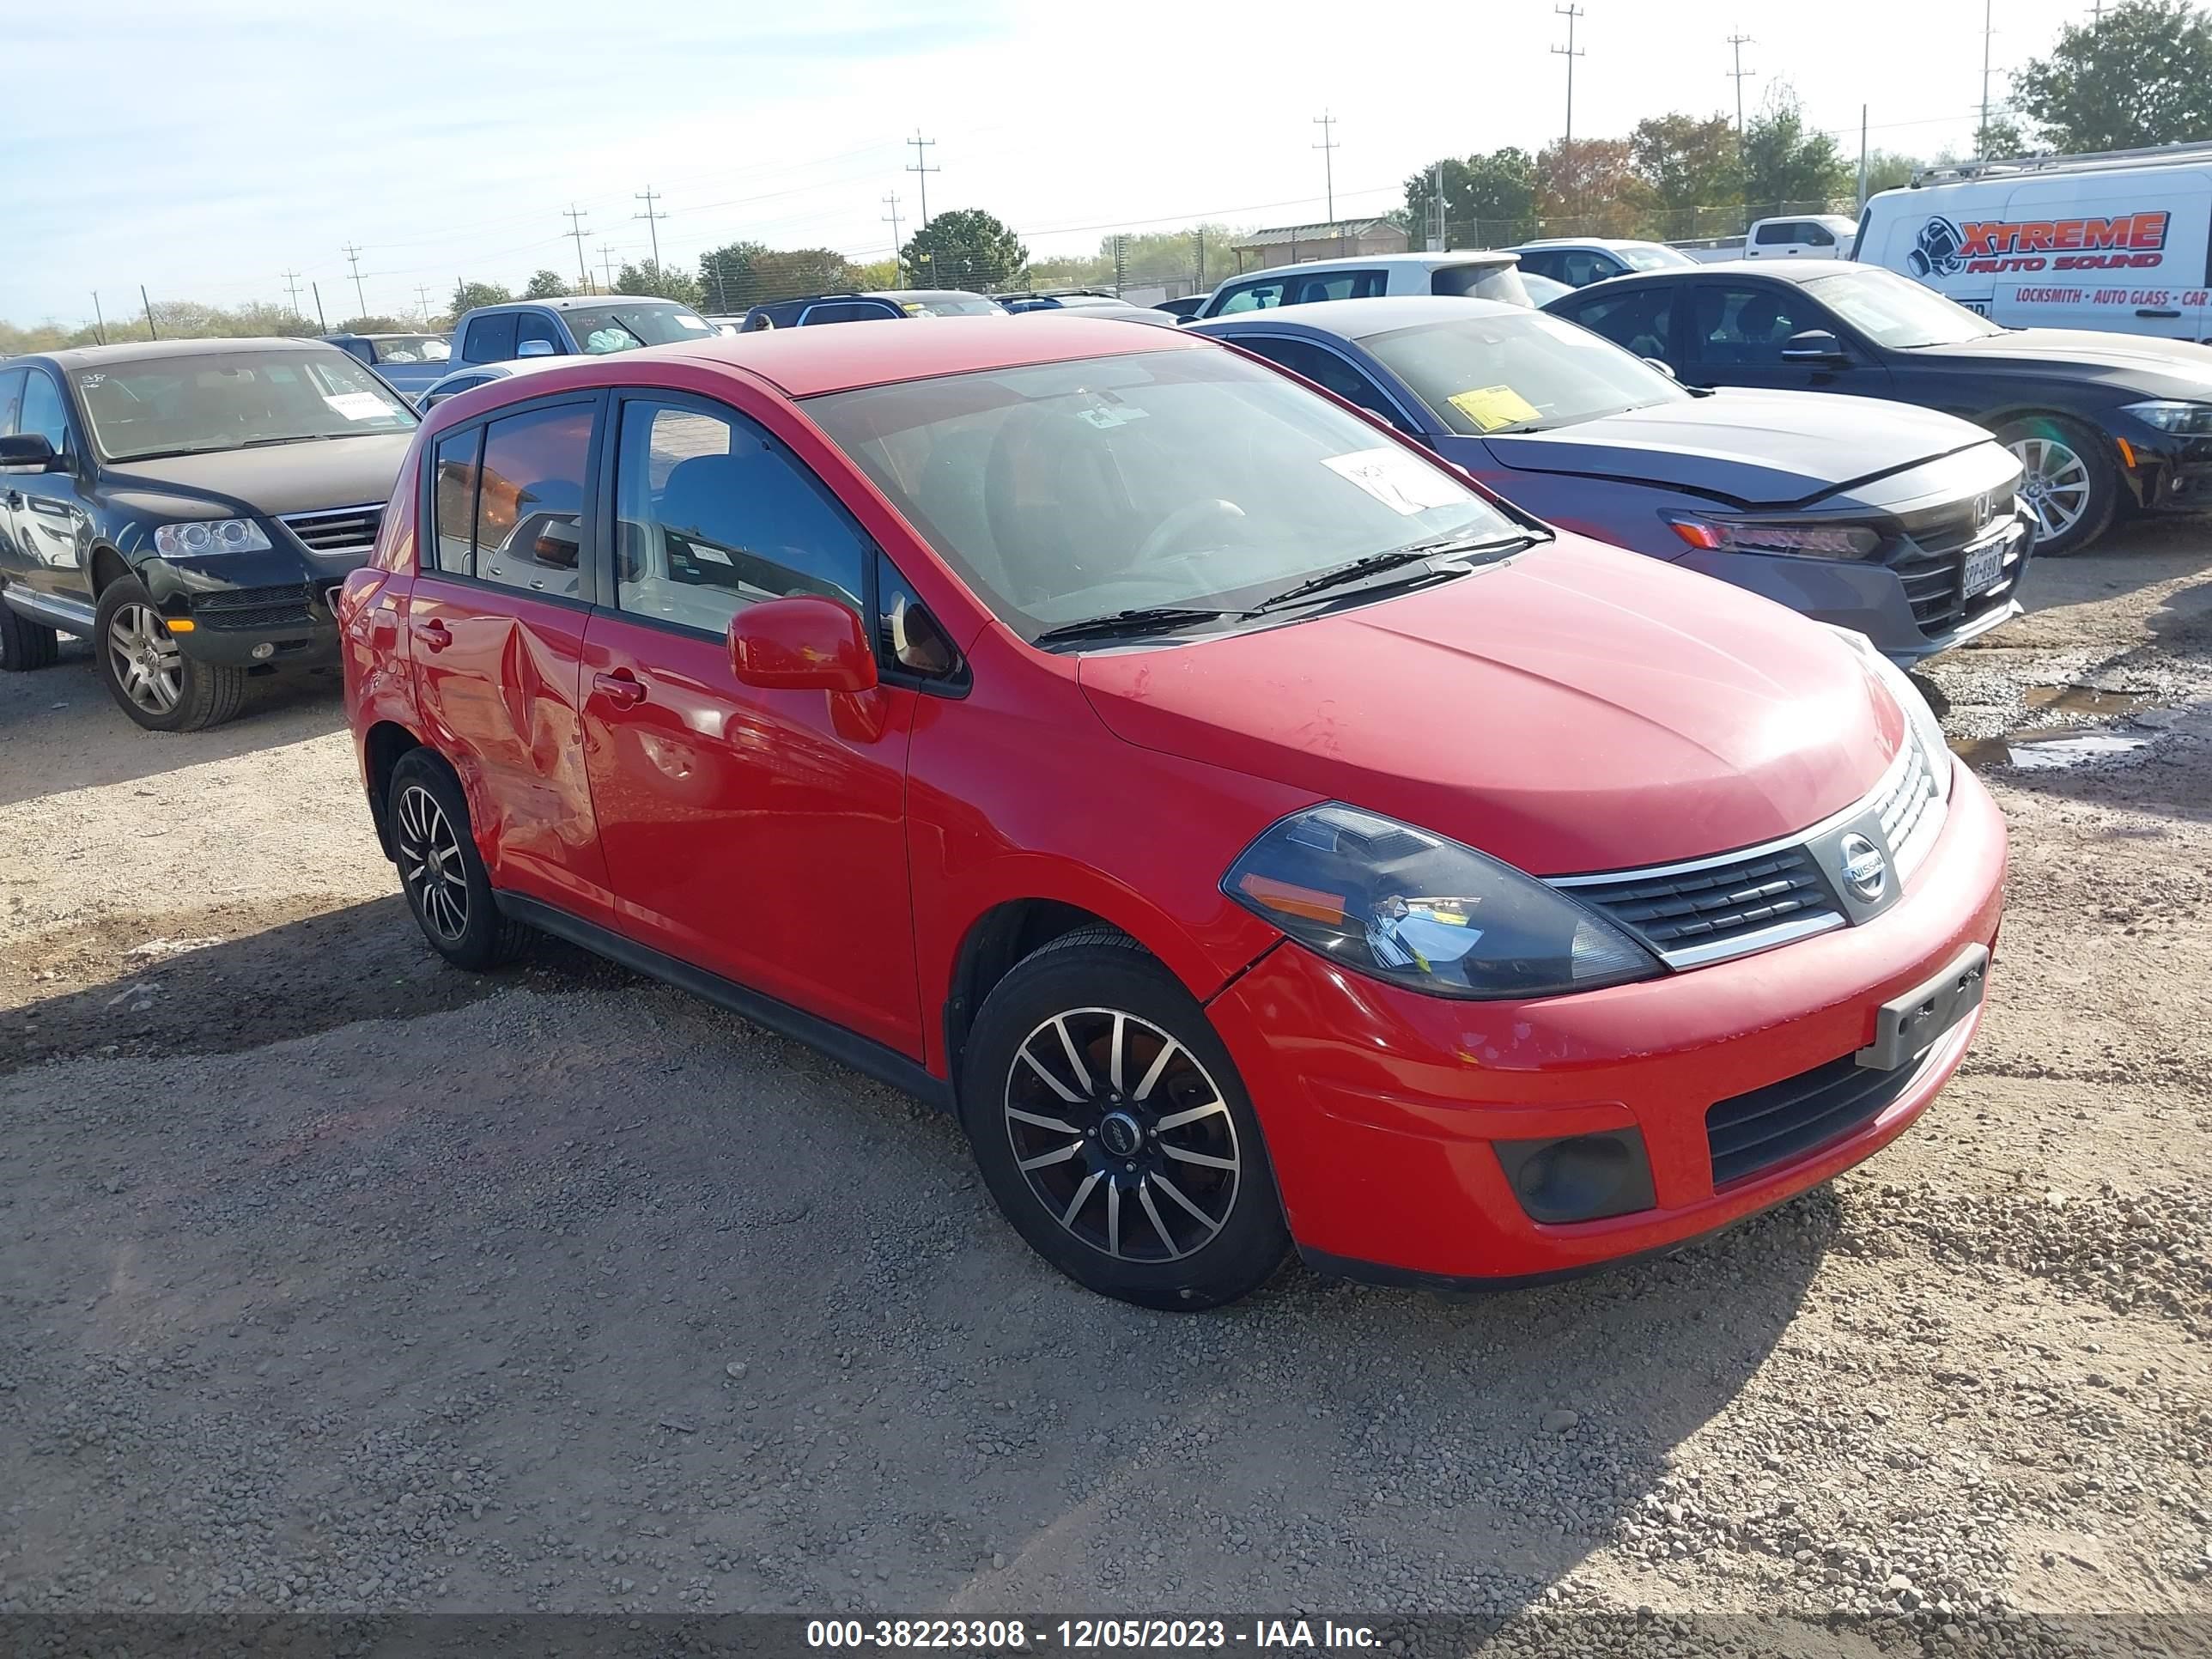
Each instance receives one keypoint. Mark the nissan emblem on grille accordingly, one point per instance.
(1865, 871)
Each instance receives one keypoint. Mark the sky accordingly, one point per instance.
(205, 150)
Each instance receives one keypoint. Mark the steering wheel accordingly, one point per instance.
(1180, 523)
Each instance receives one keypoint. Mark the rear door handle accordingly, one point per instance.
(620, 688)
(2147, 311)
(434, 634)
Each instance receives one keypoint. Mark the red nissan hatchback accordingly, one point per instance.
(1258, 836)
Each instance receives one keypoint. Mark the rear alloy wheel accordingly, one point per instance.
(2068, 483)
(149, 675)
(1113, 1132)
(441, 870)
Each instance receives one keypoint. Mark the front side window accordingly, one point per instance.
(1895, 313)
(193, 405)
(43, 413)
(1500, 283)
(602, 329)
(11, 399)
(1518, 371)
(1583, 267)
(1252, 296)
(1065, 492)
(536, 325)
(711, 516)
(1747, 325)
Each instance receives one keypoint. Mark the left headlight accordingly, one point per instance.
(204, 536)
(1426, 912)
(1927, 729)
(2173, 415)
(1811, 541)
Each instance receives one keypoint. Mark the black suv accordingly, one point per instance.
(809, 309)
(190, 507)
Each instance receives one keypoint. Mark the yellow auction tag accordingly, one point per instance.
(1492, 406)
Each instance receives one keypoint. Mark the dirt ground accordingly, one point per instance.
(333, 1279)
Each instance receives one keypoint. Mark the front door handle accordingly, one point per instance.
(620, 688)
(2148, 311)
(434, 634)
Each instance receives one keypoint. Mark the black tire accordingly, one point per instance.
(24, 645)
(1193, 1182)
(443, 875)
(2071, 485)
(163, 690)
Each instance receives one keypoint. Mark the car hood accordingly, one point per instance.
(1577, 708)
(1753, 449)
(265, 482)
(2158, 367)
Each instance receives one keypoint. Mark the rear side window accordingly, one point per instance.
(454, 498)
(490, 339)
(711, 516)
(507, 500)
(1324, 367)
(1638, 320)
(536, 325)
(850, 311)
(1585, 266)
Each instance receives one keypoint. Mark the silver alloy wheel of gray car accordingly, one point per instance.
(430, 863)
(145, 659)
(1122, 1134)
(2057, 485)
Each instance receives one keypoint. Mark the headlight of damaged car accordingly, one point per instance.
(204, 536)
(1426, 912)
(1811, 541)
(1927, 729)
(2172, 415)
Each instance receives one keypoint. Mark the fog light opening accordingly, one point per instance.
(1579, 1178)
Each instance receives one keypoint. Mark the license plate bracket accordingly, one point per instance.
(1985, 567)
(1907, 1026)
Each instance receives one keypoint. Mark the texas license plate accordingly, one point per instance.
(1985, 567)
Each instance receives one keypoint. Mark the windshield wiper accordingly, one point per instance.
(1150, 619)
(1375, 563)
(298, 438)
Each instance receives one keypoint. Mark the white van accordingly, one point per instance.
(2121, 241)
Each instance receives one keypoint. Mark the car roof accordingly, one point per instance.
(922, 294)
(1784, 270)
(571, 301)
(1477, 256)
(804, 362)
(1356, 319)
(92, 356)
(1589, 241)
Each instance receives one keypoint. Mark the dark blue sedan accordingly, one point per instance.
(1901, 523)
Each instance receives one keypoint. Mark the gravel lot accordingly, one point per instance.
(333, 1279)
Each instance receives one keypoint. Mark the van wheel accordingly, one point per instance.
(1113, 1131)
(24, 645)
(2071, 484)
(149, 677)
(447, 887)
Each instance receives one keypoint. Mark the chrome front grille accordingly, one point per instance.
(1930, 561)
(1908, 824)
(340, 530)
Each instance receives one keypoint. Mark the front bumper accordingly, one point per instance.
(1380, 1105)
(272, 609)
(2167, 472)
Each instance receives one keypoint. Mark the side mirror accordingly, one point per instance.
(1663, 366)
(535, 349)
(29, 449)
(802, 644)
(1814, 345)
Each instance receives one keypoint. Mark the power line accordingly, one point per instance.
(921, 166)
(1739, 42)
(1327, 148)
(1569, 52)
(652, 221)
(353, 259)
(576, 229)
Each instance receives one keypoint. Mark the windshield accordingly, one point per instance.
(410, 348)
(1898, 313)
(189, 405)
(601, 329)
(1514, 372)
(1651, 256)
(1067, 491)
(942, 302)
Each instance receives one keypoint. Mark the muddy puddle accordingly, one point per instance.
(2055, 741)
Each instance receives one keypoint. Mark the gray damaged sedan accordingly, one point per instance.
(1901, 523)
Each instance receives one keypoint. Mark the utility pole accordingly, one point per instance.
(353, 257)
(1326, 123)
(1120, 249)
(920, 166)
(1981, 133)
(1569, 52)
(321, 321)
(149, 304)
(576, 229)
(99, 322)
(422, 303)
(1862, 155)
(652, 221)
(1443, 232)
(892, 219)
(1200, 234)
(1738, 42)
(292, 286)
(607, 265)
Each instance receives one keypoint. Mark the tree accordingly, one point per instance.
(1489, 200)
(1785, 168)
(661, 282)
(1586, 188)
(545, 284)
(1887, 170)
(726, 275)
(1684, 163)
(2000, 136)
(964, 248)
(468, 295)
(877, 273)
(2140, 76)
(371, 324)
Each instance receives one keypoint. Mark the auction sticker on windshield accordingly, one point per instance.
(359, 405)
(1492, 406)
(1400, 481)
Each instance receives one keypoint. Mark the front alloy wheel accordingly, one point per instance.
(2067, 482)
(144, 658)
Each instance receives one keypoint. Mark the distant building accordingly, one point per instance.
(1294, 245)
